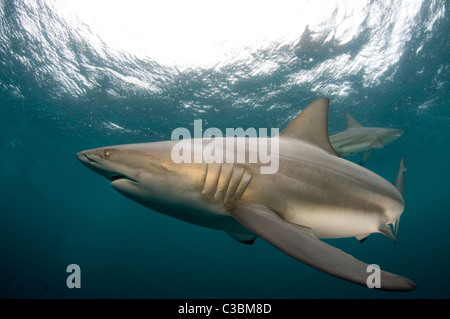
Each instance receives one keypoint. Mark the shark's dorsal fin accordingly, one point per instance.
(311, 125)
(351, 122)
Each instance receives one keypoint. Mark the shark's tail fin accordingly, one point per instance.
(400, 184)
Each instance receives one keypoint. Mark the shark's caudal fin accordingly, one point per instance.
(311, 125)
(351, 122)
(400, 181)
(400, 184)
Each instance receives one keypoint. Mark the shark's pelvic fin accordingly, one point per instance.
(247, 239)
(365, 156)
(362, 238)
(351, 122)
(311, 125)
(300, 243)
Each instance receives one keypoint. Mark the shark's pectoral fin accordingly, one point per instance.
(247, 239)
(377, 144)
(300, 243)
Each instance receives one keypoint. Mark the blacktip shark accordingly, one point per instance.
(314, 194)
(360, 139)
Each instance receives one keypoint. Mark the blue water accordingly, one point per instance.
(64, 88)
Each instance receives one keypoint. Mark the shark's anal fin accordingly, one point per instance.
(300, 243)
(311, 125)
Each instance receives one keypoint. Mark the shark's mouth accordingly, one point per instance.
(117, 177)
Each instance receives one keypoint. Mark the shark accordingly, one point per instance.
(359, 139)
(314, 194)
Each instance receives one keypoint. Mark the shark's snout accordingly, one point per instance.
(84, 158)
(92, 160)
(98, 161)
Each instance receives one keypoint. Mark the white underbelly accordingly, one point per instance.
(338, 224)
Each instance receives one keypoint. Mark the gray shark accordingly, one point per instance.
(359, 139)
(314, 194)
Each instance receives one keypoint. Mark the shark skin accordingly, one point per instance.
(314, 194)
(359, 139)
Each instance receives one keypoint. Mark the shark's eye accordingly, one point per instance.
(105, 154)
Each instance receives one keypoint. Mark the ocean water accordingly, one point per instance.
(76, 75)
